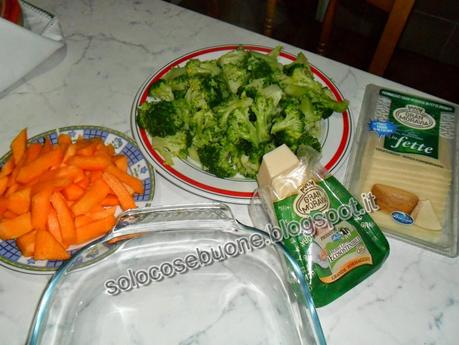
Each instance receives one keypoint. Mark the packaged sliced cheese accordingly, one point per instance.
(405, 154)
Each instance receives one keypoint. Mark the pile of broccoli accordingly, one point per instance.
(227, 113)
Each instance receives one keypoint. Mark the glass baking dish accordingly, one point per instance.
(150, 282)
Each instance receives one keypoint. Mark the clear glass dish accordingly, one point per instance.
(117, 290)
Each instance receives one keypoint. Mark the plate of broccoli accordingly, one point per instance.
(206, 119)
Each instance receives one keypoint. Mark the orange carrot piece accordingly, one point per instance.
(73, 192)
(19, 145)
(90, 163)
(64, 139)
(47, 146)
(37, 167)
(3, 184)
(53, 226)
(82, 220)
(12, 188)
(95, 175)
(9, 214)
(26, 243)
(48, 248)
(133, 182)
(32, 152)
(69, 152)
(65, 217)
(84, 183)
(94, 229)
(57, 184)
(3, 205)
(8, 167)
(119, 190)
(19, 201)
(86, 151)
(15, 227)
(93, 196)
(110, 200)
(121, 162)
(40, 208)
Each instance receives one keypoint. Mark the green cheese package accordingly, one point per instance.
(406, 154)
(323, 227)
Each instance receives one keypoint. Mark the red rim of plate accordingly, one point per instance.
(225, 192)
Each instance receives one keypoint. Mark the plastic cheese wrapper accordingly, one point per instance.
(406, 153)
(321, 225)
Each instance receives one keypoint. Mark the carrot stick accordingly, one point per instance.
(40, 208)
(93, 196)
(95, 229)
(110, 200)
(19, 201)
(8, 167)
(64, 139)
(65, 217)
(121, 162)
(119, 190)
(3, 205)
(73, 192)
(32, 152)
(48, 248)
(132, 181)
(26, 243)
(53, 226)
(3, 184)
(37, 167)
(57, 184)
(15, 227)
(18, 145)
(47, 146)
(90, 163)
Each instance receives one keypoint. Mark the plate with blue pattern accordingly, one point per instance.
(11, 257)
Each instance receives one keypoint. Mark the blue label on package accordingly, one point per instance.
(402, 218)
(382, 128)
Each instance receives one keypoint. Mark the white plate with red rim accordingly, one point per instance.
(187, 174)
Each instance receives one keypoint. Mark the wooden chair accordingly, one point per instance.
(398, 10)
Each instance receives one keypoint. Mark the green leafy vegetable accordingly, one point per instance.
(227, 113)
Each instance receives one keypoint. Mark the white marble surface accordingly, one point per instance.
(112, 46)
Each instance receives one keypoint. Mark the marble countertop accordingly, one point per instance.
(112, 46)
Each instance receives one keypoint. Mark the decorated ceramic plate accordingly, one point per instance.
(187, 174)
(11, 257)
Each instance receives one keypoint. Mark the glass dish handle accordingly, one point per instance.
(144, 220)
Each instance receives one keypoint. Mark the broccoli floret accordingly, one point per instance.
(216, 90)
(216, 159)
(235, 76)
(240, 127)
(175, 73)
(274, 92)
(301, 63)
(196, 96)
(290, 128)
(161, 119)
(308, 140)
(264, 109)
(224, 110)
(236, 57)
(161, 91)
(269, 59)
(203, 127)
(196, 67)
(324, 103)
(170, 146)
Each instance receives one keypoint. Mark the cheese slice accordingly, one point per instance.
(425, 217)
